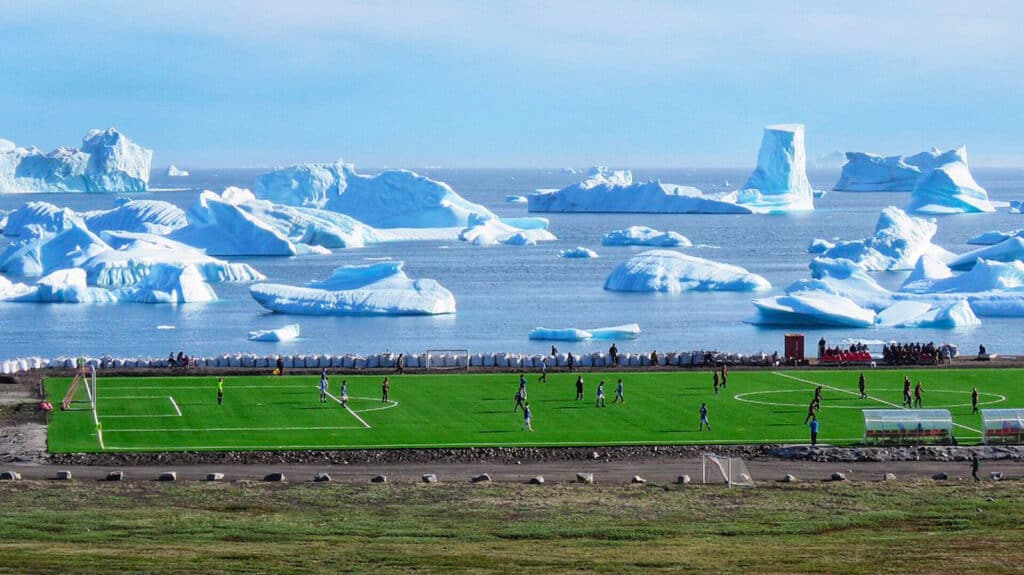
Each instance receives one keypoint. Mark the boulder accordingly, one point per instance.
(429, 478)
(322, 478)
(584, 477)
(215, 477)
(115, 476)
(276, 477)
(64, 475)
(10, 476)
(638, 479)
(168, 476)
(683, 480)
(483, 477)
(889, 477)
(379, 479)
(838, 476)
(538, 480)
(789, 479)
(996, 475)
(940, 476)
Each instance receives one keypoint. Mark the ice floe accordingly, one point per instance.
(176, 172)
(628, 331)
(491, 231)
(163, 284)
(578, 252)
(515, 199)
(994, 237)
(375, 289)
(645, 236)
(286, 333)
(674, 272)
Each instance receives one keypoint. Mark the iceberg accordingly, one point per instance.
(175, 172)
(779, 182)
(986, 275)
(607, 191)
(164, 284)
(1008, 250)
(819, 246)
(391, 199)
(169, 283)
(949, 188)
(898, 242)
(865, 172)
(43, 216)
(286, 333)
(64, 286)
(578, 252)
(1016, 207)
(145, 216)
(812, 308)
(628, 331)
(375, 289)
(953, 316)
(491, 231)
(927, 271)
(107, 162)
(994, 237)
(645, 236)
(515, 199)
(673, 272)
(46, 251)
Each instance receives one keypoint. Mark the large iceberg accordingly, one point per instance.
(674, 272)
(164, 284)
(779, 182)
(391, 199)
(107, 162)
(899, 240)
(645, 236)
(375, 289)
(35, 217)
(812, 308)
(149, 216)
(286, 333)
(949, 188)
(865, 172)
(607, 191)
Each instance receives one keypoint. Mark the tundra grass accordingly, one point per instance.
(150, 527)
(263, 412)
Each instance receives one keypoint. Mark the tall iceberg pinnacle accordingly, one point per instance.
(779, 183)
(949, 188)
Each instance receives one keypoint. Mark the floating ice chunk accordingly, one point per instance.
(898, 242)
(949, 188)
(561, 334)
(515, 199)
(375, 289)
(286, 333)
(846, 278)
(645, 236)
(819, 246)
(1008, 250)
(812, 308)
(164, 284)
(391, 199)
(176, 172)
(9, 289)
(927, 271)
(168, 283)
(994, 237)
(578, 252)
(955, 315)
(66, 286)
(34, 217)
(1016, 207)
(985, 276)
(864, 172)
(107, 162)
(486, 232)
(674, 272)
(779, 182)
(605, 190)
(901, 313)
(627, 331)
(146, 216)
(48, 251)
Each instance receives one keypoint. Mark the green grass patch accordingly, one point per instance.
(465, 410)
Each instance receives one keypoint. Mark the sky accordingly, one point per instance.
(513, 84)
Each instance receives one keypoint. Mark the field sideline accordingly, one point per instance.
(263, 412)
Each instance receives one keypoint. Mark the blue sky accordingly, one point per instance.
(530, 84)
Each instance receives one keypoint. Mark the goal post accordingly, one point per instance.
(447, 359)
(723, 469)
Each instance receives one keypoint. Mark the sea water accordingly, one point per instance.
(503, 292)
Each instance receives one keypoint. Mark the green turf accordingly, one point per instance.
(460, 410)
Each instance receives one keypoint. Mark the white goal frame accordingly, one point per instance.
(432, 355)
(733, 469)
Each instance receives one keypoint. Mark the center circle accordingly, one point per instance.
(745, 397)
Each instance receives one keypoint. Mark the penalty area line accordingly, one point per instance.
(348, 409)
(175, 404)
(882, 401)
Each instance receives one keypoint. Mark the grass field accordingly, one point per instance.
(462, 410)
(844, 527)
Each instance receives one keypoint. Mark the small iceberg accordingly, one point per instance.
(374, 289)
(645, 236)
(491, 231)
(176, 172)
(899, 240)
(628, 331)
(949, 188)
(578, 252)
(286, 333)
(515, 199)
(674, 272)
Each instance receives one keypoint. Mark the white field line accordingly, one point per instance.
(175, 404)
(746, 398)
(882, 401)
(200, 429)
(348, 409)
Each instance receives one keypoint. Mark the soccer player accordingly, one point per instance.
(814, 432)
(279, 366)
(579, 387)
(520, 398)
(974, 401)
(600, 395)
(861, 385)
(323, 386)
(817, 397)
(385, 387)
(527, 417)
(918, 392)
(704, 417)
(725, 374)
(618, 393)
(906, 392)
(522, 384)
(220, 391)
(571, 362)
(344, 393)
(812, 411)
(716, 381)
(543, 372)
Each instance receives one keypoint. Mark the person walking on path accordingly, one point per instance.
(975, 467)
(814, 431)
(613, 351)
(279, 366)
(812, 411)
(571, 362)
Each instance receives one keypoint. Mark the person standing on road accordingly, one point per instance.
(385, 387)
(974, 401)
(861, 385)
(918, 392)
(579, 388)
(814, 431)
(704, 417)
(220, 391)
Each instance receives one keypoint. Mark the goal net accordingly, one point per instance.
(721, 469)
(447, 359)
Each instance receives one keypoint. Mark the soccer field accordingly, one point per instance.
(468, 410)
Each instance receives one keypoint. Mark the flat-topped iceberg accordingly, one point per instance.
(645, 236)
(673, 272)
(866, 172)
(106, 162)
(578, 252)
(812, 308)
(899, 240)
(779, 182)
(286, 333)
(607, 191)
(491, 231)
(375, 289)
(628, 331)
(391, 199)
(994, 237)
(176, 172)
(949, 188)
